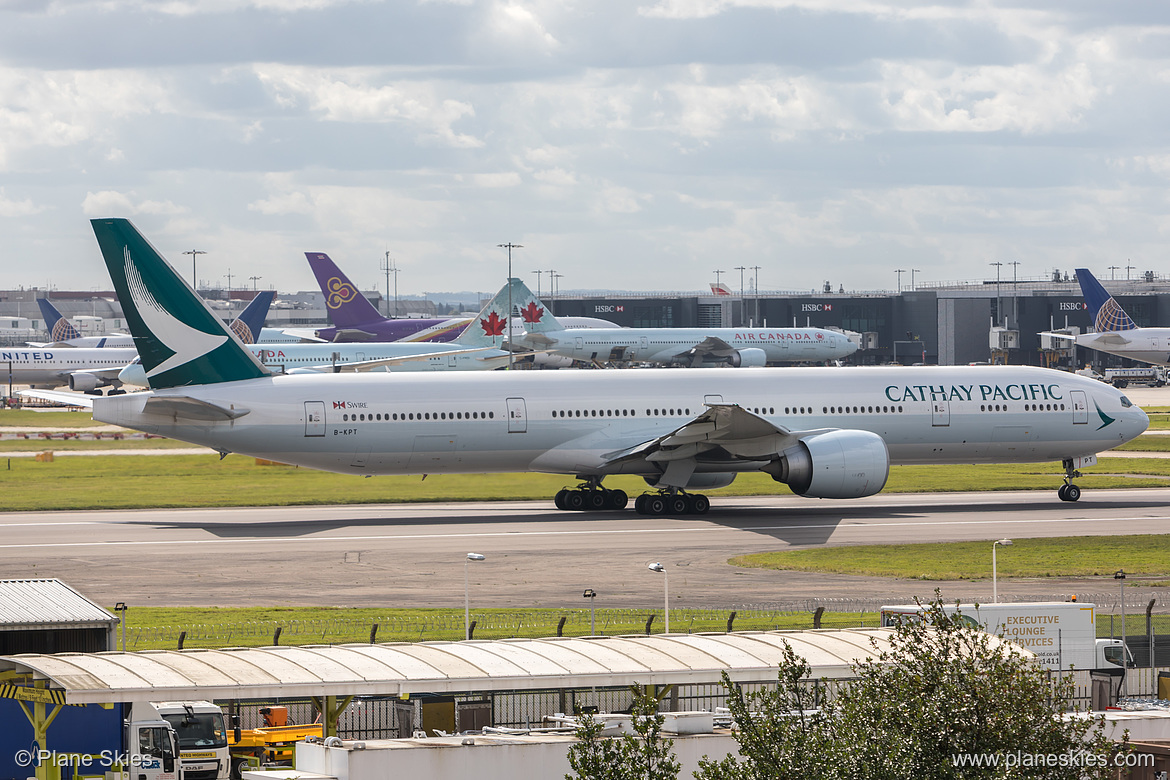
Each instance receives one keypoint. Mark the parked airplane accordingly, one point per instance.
(476, 349)
(695, 347)
(826, 432)
(1114, 331)
(85, 369)
(64, 334)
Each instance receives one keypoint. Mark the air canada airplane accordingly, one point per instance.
(1114, 331)
(693, 347)
(825, 432)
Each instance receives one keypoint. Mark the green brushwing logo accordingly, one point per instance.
(1106, 420)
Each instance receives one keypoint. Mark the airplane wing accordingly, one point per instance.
(354, 334)
(710, 347)
(1061, 336)
(307, 335)
(720, 432)
(60, 397)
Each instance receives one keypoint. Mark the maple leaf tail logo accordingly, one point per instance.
(493, 324)
(532, 312)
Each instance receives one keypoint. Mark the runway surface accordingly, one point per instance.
(413, 555)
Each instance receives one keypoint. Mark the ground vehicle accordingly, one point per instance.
(203, 737)
(1060, 633)
(121, 742)
(1155, 376)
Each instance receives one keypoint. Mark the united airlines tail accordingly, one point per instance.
(180, 340)
(348, 308)
(251, 320)
(1108, 316)
(60, 329)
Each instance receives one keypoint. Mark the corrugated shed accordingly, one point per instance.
(443, 667)
(41, 604)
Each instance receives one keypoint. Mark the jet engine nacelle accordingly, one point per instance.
(549, 360)
(837, 464)
(82, 382)
(701, 481)
(748, 358)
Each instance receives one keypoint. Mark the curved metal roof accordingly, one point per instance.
(442, 667)
(38, 604)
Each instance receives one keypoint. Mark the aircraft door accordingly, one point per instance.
(451, 360)
(579, 342)
(940, 413)
(517, 416)
(314, 418)
(1080, 407)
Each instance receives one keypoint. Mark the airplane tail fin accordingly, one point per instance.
(180, 340)
(348, 308)
(251, 320)
(1108, 316)
(534, 315)
(490, 328)
(60, 329)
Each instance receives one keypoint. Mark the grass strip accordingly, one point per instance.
(203, 480)
(1088, 556)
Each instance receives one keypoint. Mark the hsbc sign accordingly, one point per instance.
(1073, 306)
(610, 308)
(808, 307)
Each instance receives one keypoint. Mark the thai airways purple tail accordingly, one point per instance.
(348, 308)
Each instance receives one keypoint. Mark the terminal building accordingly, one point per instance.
(951, 323)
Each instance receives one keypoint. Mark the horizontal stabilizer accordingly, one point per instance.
(60, 397)
(181, 406)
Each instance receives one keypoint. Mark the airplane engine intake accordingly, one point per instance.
(837, 464)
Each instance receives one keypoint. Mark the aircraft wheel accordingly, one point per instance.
(575, 501)
(1069, 492)
(655, 505)
(618, 499)
(116, 392)
(596, 499)
(678, 504)
(700, 504)
(559, 499)
(640, 504)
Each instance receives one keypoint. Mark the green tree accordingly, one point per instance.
(646, 756)
(941, 691)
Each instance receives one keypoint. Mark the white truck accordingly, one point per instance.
(202, 733)
(1155, 376)
(1062, 634)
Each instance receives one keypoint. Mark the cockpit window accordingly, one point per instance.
(1125, 402)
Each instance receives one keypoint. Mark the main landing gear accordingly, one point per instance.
(1068, 491)
(590, 497)
(666, 502)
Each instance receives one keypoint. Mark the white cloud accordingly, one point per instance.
(496, 180)
(17, 208)
(110, 203)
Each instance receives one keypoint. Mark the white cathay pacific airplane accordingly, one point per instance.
(694, 347)
(1114, 331)
(825, 432)
(477, 348)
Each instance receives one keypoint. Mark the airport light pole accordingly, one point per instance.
(994, 583)
(254, 279)
(591, 594)
(717, 275)
(538, 273)
(899, 272)
(756, 268)
(466, 595)
(1113, 268)
(390, 267)
(510, 246)
(194, 278)
(121, 608)
(665, 592)
(912, 272)
(741, 269)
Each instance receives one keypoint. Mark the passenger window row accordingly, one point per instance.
(863, 410)
(403, 416)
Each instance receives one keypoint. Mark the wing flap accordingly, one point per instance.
(191, 408)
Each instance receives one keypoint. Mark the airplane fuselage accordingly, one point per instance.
(1147, 345)
(572, 423)
(51, 367)
(668, 345)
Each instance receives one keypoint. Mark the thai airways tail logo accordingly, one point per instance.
(339, 292)
(186, 343)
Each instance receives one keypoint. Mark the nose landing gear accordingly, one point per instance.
(1068, 491)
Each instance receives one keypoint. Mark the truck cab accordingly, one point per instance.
(152, 750)
(202, 737)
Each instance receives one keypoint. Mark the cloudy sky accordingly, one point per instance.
(628, 144)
